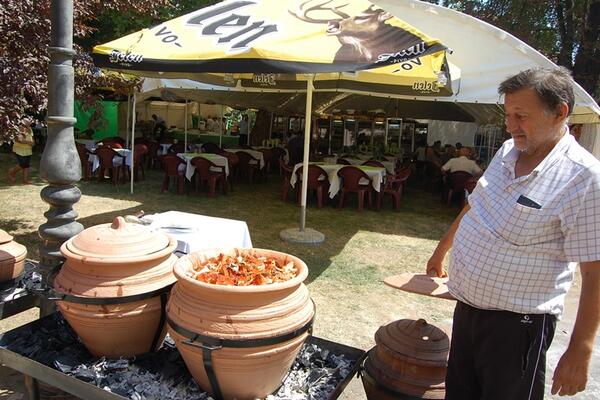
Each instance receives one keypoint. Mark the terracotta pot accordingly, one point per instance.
(410, 358)
(240, 314)
(12, 257)
(113, 261)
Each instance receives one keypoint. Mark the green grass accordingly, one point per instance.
(346, 271)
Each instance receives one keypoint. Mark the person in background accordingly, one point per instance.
(22, 148)
(575, 130)
(462, 163)
(449, 153)
(532, 218)
(160, 127)
(458, 146)
(244, 130)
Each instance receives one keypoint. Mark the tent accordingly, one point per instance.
(489, 56)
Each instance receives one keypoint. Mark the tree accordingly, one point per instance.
(565, 31)
(25, 32)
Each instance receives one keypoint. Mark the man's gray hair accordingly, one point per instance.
(553, 86)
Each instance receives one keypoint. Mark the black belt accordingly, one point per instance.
(208, 344)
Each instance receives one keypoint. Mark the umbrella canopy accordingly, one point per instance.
(270, 36)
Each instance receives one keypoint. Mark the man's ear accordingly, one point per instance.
(562, 112)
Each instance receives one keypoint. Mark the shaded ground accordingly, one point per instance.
(346, 272)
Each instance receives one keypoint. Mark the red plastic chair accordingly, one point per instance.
(177, 148)
(317, 182)
(374, 163)
(394, 186)
(247, 165)
(343, 161)
(209, 173)
(84, 157)
(171, 165)
(108, 164)
(286, 172)
(352, 177)
(139, 152)
(457, 183)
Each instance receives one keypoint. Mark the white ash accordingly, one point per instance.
(315, 374)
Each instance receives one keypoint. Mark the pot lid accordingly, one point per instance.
(417, 340)
(117, 240)
(5, 237)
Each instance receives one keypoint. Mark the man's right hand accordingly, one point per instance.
(435, 267)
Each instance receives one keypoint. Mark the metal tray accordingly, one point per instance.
(88, 391)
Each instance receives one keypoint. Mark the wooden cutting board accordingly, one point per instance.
(420, 284)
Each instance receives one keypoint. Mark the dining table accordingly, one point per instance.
(376, 174)
(390, 165)
(216, 159)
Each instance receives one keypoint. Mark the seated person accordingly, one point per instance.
(462, 163)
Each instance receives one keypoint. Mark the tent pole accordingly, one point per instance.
(271, 126)
(185, 127)
(307, 117)
(222, 128)
(128, 115)
(132, 145)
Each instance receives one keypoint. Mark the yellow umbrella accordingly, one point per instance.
(262, 44)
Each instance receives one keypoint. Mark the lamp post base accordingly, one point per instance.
(307, 236)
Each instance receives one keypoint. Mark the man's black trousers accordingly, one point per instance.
(498, 355)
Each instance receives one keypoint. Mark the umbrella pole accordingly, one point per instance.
(222, 128)
(127, 120)
(132, 166)
(185, 127)
(307, 117)
(303, 234)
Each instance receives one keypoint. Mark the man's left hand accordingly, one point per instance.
(570, 375)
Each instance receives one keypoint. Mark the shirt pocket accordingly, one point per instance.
(527, 225)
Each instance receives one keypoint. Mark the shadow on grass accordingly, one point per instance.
(421, 216)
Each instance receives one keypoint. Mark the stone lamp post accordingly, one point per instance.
(60, 165)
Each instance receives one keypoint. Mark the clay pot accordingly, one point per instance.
(410, 358)
(111, 261)
(12, 257)
(239, 314)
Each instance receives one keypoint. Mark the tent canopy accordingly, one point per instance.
(486, 56)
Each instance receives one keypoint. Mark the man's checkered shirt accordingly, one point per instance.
(517, 247)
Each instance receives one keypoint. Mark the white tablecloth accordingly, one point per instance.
(164, 148)
(88, 143)
(254, 153)
(376, 175)
(116, 159)
(286, 156)
(196, 232)
(390, 166)
(215, 158)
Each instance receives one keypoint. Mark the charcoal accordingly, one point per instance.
(162, 375)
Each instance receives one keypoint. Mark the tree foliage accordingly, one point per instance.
(24, 58)
(565, 31)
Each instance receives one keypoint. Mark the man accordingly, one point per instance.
(531, 218)
(244, 131)
(462, 163)
(160, 127)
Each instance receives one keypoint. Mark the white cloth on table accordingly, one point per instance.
(196, 232)
(376, 174)
(88, 143)
(390, 166)
(117, 160)
(254, 153)
(164, 148)
(216, 159)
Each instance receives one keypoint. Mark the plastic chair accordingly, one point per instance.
(232, 161)
(139, 152)
(457, 183)
(177, 148)
(84, 157)
(374, 163)
(108, 164)
(394, 186)
(279, 153)
(206, 172)
(317, 182)
(343, 161)
(352, 177)
(247, 165)
(171, 165)
(211, 148)
(286, 172)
